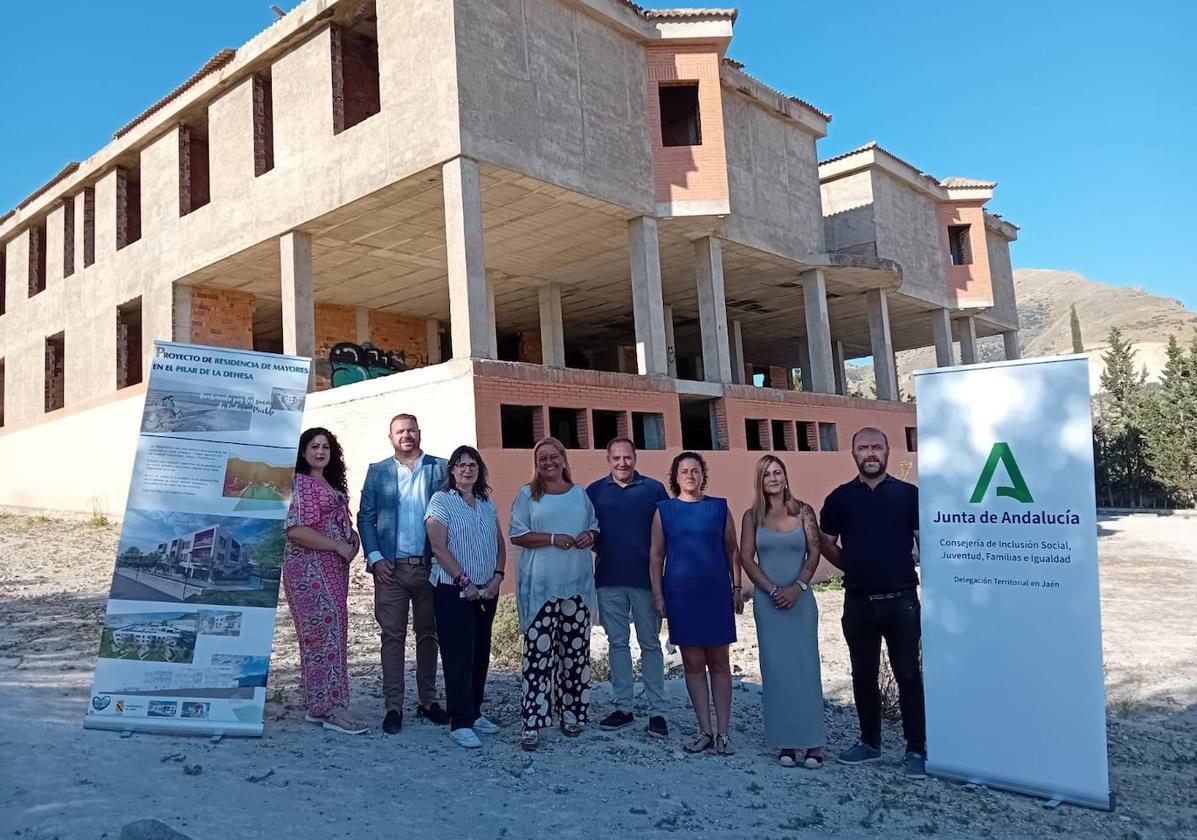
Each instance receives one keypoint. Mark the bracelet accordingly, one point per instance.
(463, 581)
(501, 573)
(553, 539)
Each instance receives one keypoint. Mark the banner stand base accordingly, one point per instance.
(1014, 786)
(169, 728)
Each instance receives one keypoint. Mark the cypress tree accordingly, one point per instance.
(1074, 323)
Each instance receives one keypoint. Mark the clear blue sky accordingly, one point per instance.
(1084, 112)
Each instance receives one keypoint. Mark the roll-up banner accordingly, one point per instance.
(185, 645)
(1012, 656)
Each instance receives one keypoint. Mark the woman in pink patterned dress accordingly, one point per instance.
(320, 543)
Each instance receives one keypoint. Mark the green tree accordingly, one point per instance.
(1170, 428)
(1123, 470)
(1074, 323)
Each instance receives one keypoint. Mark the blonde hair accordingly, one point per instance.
(760, 502)
(536, 484)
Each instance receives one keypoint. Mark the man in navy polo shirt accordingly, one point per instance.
(876, 518)
(625, 503)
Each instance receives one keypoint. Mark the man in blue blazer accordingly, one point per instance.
(391, 523)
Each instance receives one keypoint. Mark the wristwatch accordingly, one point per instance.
(803, 586)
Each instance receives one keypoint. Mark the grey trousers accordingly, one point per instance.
(620, 607)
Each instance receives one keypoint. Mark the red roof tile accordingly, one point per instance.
(211, 66)
(739, 65)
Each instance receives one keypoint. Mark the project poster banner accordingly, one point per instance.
(186, 640)
(1012, 658)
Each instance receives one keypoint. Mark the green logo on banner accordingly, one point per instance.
(1016, 490)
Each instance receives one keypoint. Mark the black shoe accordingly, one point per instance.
(393, 722)
(616, 720)
(657, 727)
(433, 713)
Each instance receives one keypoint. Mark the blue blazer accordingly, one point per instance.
(379, 508)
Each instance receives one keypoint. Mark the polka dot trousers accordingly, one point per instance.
(557, 664)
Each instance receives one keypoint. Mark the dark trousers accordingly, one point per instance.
(463, 628)
(896, 620)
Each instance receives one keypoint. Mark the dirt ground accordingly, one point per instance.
(59, 781)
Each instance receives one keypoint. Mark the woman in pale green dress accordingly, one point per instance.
(779, 549)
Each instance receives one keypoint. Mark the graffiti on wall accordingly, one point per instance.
(349, 362)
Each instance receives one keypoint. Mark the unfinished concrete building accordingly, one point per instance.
(573, 217)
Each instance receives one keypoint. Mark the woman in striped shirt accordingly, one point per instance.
(463, 527)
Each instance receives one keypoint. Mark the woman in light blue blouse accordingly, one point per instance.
(553, 523)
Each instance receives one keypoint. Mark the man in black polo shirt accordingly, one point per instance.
(876, 518)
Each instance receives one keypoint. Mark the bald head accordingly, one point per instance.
(870, 450)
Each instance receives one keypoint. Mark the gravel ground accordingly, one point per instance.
(59, 781)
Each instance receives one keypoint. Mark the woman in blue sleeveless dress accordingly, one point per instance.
(779, 547)
(695, 573)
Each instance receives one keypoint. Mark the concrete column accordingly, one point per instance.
(941, 330)
(966, 334)
(552, 333)
(804, 376)
(818, 333)
(882, 345)
(433, 327)
(670, 343)
(648, 311)
(182, 314)
(737, 352)
(299, 311)
(362, 324)
(492, 321)
(470, 311)
(712, 310)
(1010, 340)
(841, 368)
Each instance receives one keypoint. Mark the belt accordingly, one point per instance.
(410, 561)
(887, 596)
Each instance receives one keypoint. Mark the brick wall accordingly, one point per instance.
(263, 98)
(122, 352)
(128, 206)
(222, 317)
(89, 226)
(354, 79)
(971, 284)
(531, 350)
(513, 383)
(194, 185)
(55, 381)
(780, 377)
(68, 236)
(395, 331)
(334, 324)
(688, 173)
(37, 259)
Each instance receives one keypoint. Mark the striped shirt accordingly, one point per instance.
(473, 535)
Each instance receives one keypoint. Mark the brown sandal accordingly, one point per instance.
(703, 742)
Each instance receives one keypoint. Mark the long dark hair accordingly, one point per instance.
(334, 473)
(481, 487)
(674, 487)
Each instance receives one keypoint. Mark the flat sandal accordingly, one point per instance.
(703, 742)
(723, 744)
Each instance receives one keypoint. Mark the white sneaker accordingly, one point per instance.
(313, 719)
(465, 738)
(485, 726)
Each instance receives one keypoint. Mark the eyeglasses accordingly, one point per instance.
(465, 467)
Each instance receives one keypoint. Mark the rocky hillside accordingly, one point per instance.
(1044, 297)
